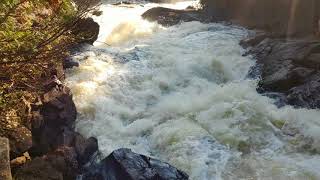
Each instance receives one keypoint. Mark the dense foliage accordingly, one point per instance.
(34, 37)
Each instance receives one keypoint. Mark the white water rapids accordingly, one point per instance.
(180, 94)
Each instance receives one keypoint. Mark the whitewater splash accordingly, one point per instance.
(180, 94)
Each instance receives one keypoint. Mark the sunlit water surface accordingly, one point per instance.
(180, 94)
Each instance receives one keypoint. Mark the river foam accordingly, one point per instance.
(180, 94)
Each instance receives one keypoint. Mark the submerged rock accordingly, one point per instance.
(169, 17)
(70, 63)
(123, 164)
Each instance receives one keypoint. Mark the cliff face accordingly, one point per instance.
(285, 17)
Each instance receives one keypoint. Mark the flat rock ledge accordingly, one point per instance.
(5, 171)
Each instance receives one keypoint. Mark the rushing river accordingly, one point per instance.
(181, 94)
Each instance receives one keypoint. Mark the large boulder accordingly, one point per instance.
(123, 164)
(65, 162)
(289, 17)
(58, 113)
(86, 30)
(169, 17)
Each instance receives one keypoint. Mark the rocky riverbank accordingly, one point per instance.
(43, 142)
(287, 51)
(46, 146)
(288, 69)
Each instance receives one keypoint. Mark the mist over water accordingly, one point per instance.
(180, 94)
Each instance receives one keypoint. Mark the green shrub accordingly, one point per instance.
(34, 37)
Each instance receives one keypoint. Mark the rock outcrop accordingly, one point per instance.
(57, 151)
(289, 67)
(87, 31)
(169, 17)
(123, 164)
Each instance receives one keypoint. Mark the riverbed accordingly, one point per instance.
(181, 94)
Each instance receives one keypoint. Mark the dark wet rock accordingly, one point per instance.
(169, 17)
(57, 113)
(123, 164)
(69, 152)
(87, 30)
(280, 98)
(85, 148)
(36, 119)
(59, 164)
(289, 67)
(306, 94)
(70, 63)
(253, 40)
(123, 3)
(64, 159)
(77, 49)
(59, 107)
(5, 171)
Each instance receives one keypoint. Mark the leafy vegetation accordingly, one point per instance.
(34, 38)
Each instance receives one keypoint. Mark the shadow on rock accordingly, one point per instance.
(170, 17)
(289, 67)
(123, 164)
